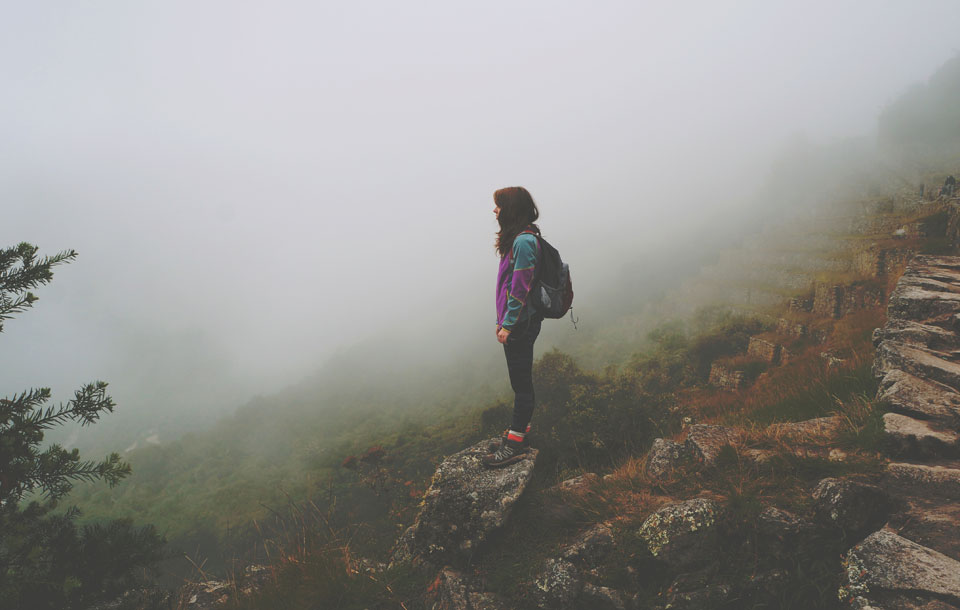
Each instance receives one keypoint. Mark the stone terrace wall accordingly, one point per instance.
(912, 563)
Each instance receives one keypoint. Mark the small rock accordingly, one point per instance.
(763, 349)
(695, 591)
(683, 535)
(723, 377)
(832, 360)
(558, 585)
(811, 429)
(601, 598)
(665, 457)
(780, 532)
(766, 585)
(579, 483)
(704, 441)
(591, 546)
(855, 507)
(453, 590)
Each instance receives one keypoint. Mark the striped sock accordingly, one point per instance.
(516, 437)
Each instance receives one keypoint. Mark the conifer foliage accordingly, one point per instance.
(46, 560)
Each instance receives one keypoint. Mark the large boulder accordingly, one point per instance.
(853, 506)
(888, 571)
(683, 535)
(466, 501)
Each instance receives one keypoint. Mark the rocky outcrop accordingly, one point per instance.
(889, 571)
(464, 504)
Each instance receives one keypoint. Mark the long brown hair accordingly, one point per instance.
(517, 212)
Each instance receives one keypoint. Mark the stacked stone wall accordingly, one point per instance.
(724, 377)
(763, 349)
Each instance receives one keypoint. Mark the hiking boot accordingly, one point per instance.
(503, 438)
(508, 453)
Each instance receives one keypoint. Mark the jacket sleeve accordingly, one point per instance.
(524, 265)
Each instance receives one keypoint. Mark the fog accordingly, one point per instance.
(252, 187)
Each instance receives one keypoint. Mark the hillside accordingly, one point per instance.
(740, 417)
(722, 390)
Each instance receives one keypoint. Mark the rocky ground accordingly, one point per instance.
(900, 530)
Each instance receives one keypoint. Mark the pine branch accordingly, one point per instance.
(56, 470)
(22, 404)
(87, 404)
(20, 271)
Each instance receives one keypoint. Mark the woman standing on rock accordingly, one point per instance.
(518, 323)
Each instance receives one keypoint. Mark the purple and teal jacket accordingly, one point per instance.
(514, 280)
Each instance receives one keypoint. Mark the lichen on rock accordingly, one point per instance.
(682, 534)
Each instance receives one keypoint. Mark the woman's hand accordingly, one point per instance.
(502, 335)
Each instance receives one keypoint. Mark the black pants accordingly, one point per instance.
(519, 352)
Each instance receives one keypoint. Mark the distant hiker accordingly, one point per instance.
(949, 187)
(518, 322)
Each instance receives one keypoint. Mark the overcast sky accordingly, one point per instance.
(246, 181)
